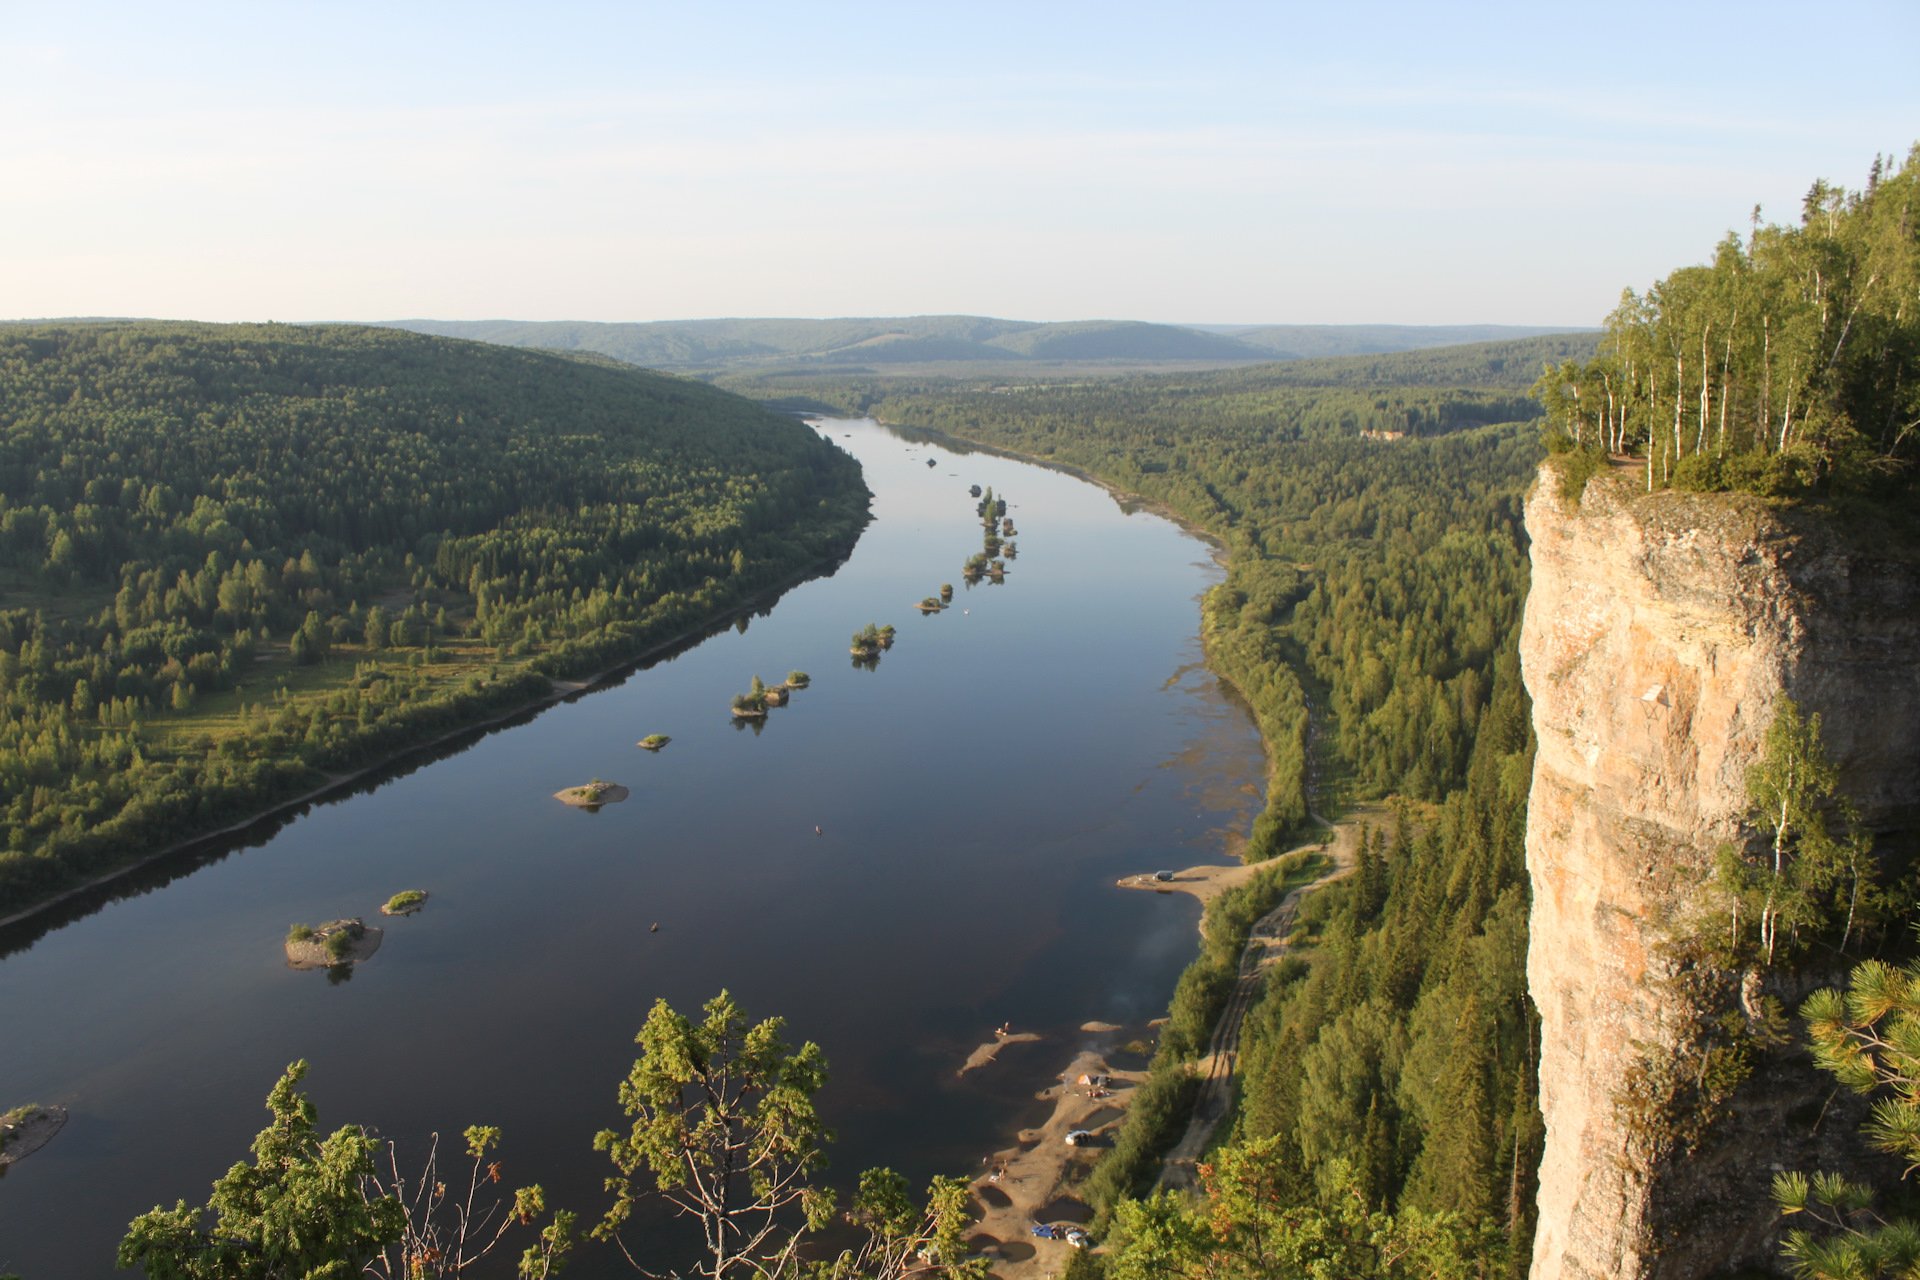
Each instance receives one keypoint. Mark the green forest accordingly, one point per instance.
(236, 561)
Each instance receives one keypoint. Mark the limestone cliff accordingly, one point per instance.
(1660, 631)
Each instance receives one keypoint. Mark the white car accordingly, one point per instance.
(1078, 1137)
(1078, 1238)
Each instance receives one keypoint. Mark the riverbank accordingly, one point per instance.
(1036, 1181)
(334, 783)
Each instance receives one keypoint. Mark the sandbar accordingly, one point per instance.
(21, 1138)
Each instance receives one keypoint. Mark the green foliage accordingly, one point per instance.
(1868, 1038)
(206, 516)
(1260, 1221)
(1792, 361)
(1206, 983)
(340, 943)
(405, 900)
(296, 1211)
(899, 1238)
(1402, 1051)
(724, 1126)
(313, 1209)
(1156, 1115)
(1816, 869)
(299, 932)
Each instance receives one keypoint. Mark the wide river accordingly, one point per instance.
(976, 797)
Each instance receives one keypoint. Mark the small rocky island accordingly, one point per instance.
(751, 705)
(654, 741)
(337, 942)
(591, 795)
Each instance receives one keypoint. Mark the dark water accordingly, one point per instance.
(978, 794)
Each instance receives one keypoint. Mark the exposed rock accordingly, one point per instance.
(1660, 632)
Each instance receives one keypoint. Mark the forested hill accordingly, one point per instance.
(890, 342)
(233, 556)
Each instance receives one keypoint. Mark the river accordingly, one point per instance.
(976, 794)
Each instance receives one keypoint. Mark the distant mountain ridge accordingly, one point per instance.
(899, 340)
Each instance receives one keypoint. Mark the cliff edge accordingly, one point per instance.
(1660, 632)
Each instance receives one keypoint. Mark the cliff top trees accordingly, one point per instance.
(1793, 359)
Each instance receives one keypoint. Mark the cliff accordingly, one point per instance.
(1660, 632)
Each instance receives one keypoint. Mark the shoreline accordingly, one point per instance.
(1222, 556)
(558, 691)
(1029, 1182)
(1125, 497)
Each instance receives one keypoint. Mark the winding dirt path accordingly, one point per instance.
(1266, 945)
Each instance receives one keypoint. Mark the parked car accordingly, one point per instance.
(1078, 1238)
(1163, 876)
(1078, 1137)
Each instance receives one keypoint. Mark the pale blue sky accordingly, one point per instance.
(1181, 162)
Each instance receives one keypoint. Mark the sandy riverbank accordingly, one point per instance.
(1029, 1183)
(1034, 1180)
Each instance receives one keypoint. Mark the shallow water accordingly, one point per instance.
(977, 794)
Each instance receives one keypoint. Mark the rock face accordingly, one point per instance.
(1660, 631)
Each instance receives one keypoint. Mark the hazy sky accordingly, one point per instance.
(1335, 163)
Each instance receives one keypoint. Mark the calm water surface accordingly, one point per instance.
(978, 794)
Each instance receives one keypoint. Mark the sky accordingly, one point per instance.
(1188, 163)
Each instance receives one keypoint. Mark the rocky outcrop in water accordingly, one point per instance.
(1660, 632)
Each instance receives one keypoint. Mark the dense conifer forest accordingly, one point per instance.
(235, 560)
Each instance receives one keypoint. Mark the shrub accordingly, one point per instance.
(299, 933)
